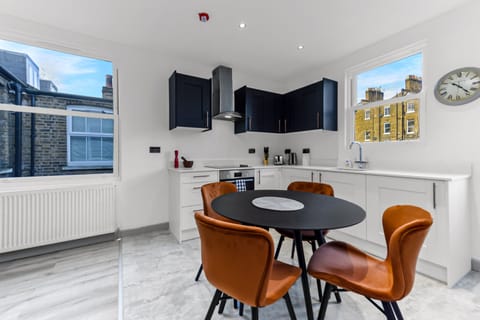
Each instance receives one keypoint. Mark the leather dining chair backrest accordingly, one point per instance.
(313, 187)
(213, 190)
(405, 229)
(237, 259)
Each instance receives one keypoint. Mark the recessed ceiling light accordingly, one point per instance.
(242, 25)
(300, 47)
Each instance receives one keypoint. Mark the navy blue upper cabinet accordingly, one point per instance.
(262, 110)
(312, 107)
(190, 102)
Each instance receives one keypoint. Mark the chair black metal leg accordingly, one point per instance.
(288, 301)
(254, 313)
(240, 312)
(397, 311)
(387, 308)
(222, 303)
(304, 275)
(199, 272)
(293, 249)
(325, 299)
(280, 241)
(337, 294)
(213, 304)
(319, 284)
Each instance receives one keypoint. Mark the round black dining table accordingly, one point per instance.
(319, 212)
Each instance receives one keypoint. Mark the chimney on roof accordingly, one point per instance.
(373, 94)
(413, 84)
(107, 90)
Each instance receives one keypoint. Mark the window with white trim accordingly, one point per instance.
(367, 115)
(410, 107)
(386, 111)
(387, 87)
(368, 135)
(67, 131)
(386, 128)
(410, 126)
(90, 140)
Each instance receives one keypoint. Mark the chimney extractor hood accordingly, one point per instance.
(222, 95)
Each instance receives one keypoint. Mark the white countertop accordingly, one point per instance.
(373, 172)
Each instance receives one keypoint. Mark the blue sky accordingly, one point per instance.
(390, 77)
(70, 73)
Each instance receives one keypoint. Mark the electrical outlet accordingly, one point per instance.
(154, 149)
(251, 150)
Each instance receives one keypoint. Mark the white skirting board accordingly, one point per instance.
(40, 217)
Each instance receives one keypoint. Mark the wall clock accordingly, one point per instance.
(459, 86)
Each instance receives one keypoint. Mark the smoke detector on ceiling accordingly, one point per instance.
(203, 16)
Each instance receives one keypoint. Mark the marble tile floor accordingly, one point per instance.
(157, 283)
(73, 284)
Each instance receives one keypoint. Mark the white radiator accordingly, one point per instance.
(35, 218)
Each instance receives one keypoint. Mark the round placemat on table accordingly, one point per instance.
(277, 203)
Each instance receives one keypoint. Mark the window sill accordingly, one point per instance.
(86, 168)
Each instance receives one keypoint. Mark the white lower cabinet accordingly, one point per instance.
(268, 178)
(384, 192)
(290, 175)
(446, 253)
(186, 198)
(350, 187)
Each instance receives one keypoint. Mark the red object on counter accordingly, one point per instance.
(175, 162)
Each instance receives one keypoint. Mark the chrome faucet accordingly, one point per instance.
(360, 162)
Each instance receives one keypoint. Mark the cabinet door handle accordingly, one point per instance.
(208, 120)
(434, 196)
(201, 176)
(311, 176)
(279, 126)
(318, 120)
(259, 180)
(196, 188)
(285, 125)
(319, 177)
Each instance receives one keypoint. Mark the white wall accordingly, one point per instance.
(450, 139)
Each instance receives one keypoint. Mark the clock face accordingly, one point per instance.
(459, 86)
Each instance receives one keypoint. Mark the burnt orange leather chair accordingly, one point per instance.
(307, 235)
(230, 250)
(209, 192)
(388, 280)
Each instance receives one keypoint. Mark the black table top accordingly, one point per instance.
(319, 212)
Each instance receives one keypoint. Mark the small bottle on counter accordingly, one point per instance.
(175, 161)
(306, 157)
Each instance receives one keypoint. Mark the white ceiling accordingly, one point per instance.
(329, 29)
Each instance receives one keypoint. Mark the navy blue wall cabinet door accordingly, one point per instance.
(312, 107)
(190, 102)
(262, 110)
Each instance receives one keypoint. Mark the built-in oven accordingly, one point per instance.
(244, 179)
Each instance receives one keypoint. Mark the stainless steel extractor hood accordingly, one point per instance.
(222, 95)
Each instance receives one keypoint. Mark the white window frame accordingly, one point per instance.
(70, 133)
(410, 107)
(387, 107)
(408, 126)
(367, 111)
(351, 105)
(385, 125)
